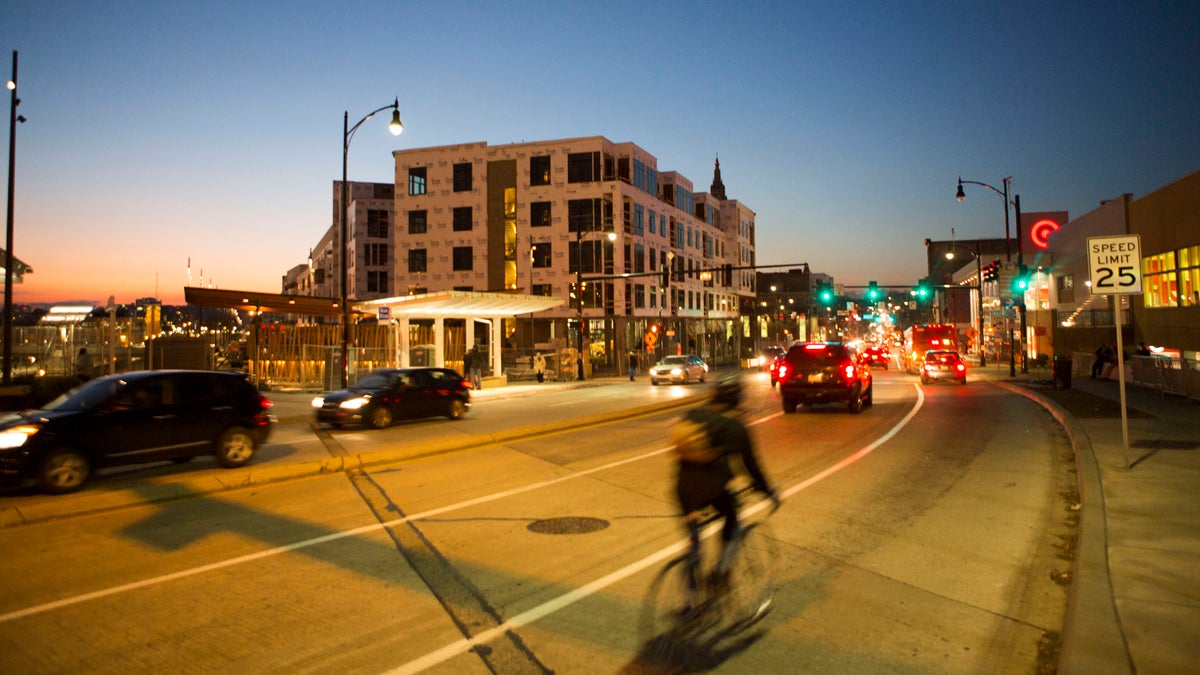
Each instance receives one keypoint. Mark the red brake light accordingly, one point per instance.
(961, 367)
(782, 371)
(815, 346)
(849, 371)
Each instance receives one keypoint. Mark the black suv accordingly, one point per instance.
(134, 418)
(393, 393)
(824, 372)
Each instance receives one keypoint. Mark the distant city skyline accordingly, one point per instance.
(158, 133)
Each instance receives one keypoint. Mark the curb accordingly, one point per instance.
(1092, 642)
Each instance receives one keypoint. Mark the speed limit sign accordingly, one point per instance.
(1116, 264)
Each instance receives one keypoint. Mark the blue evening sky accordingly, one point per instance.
(163, 131)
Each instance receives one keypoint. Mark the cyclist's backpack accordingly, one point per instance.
(690, 441)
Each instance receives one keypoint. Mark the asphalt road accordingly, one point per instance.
(922, 535)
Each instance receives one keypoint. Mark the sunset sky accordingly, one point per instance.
(163, 132)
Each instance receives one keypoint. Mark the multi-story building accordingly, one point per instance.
(539, 217)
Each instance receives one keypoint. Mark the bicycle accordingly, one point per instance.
(734, 596)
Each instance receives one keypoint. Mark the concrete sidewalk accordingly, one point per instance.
(1135, 598)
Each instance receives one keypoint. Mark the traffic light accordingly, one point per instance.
(921, 291)
(824, 294)
(666, 275)
(991, 271)
(1020, 282)
(873, 292)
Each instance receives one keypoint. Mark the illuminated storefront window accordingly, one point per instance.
(1168, 283)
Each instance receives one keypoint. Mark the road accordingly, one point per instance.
(921, 535)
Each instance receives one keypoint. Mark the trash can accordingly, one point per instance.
(1062, 372)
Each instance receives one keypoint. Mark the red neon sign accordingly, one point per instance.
(1039, 232)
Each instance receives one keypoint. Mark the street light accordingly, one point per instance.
(347, 134)
(612, 236)
(8, 242)
(960, 196)
(979, 276)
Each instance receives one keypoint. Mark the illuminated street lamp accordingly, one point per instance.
(960, 196)
(347, 134)
(8, 242)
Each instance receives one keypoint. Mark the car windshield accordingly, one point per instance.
(674, 361)
(942, 357)
(88, 396)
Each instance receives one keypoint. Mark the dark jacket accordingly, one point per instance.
(698, 484)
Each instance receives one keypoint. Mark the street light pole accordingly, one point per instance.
(979, 283)
(612, 236)
(960, 196)
(347, 134)
(8, 241)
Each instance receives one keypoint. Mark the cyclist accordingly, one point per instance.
(705, 440)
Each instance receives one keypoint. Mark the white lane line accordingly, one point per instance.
(549, 607)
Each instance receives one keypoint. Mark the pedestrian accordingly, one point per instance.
(474, 364)
(84, 367)
(539, 367)
(1101, 359)
(633, 365)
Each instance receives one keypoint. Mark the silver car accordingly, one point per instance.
(681, 369)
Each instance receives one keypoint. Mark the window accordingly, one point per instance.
(464, 258)
(540, 254)
(1066, 288)
(416, 181)
(582, 214)
(416, 222)
(416, 260)
(539, 170)
(639, 219)
(462, 177)
(583, 167)
(375, 254)
(462, 218)
(1172, 279)
(539, 214)
(377, 281)
(542, 289)
(377, 223)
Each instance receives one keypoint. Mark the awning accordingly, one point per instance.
(459, 304)
(275, 303)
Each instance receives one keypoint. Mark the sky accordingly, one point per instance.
(162, 133)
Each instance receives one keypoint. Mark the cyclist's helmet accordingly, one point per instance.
(729, 391)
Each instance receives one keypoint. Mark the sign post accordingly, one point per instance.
(1115, 264)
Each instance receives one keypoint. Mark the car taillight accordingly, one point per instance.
(960, 367)
(264, 402)
(783, 369)
(849, 372)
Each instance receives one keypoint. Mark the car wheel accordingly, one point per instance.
(870, 395)
(456, 409)
(234, 447)
(63, 471)
(789, 405)
(702, 378)
(963, 381)
(654, 382)
(181, 460)
(379, 417)
(885, 365)
(855, 405)
(924, 380)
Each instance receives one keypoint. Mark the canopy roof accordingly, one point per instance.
(441, 303)
(459, 304)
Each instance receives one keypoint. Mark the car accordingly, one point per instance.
(389, 394)
(941, 364)
(774, 368)
(768, 355)
(824, 372)
(134, 418)
(877, 355)
(679, 368)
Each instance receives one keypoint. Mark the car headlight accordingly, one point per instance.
(355, 403)
(677, 371)
(17, 436)
(318, 401)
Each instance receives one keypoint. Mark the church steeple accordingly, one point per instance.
(717, 189)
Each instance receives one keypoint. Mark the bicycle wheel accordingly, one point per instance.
(663, 629)
(752, 570)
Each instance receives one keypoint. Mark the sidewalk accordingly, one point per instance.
(1135, 598)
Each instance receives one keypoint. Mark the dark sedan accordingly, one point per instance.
(134, 418)
(389, 394)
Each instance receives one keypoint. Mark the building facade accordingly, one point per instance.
(656, 257)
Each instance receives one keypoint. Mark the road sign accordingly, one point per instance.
(1115, 264)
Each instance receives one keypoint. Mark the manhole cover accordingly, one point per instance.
(568, 525)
